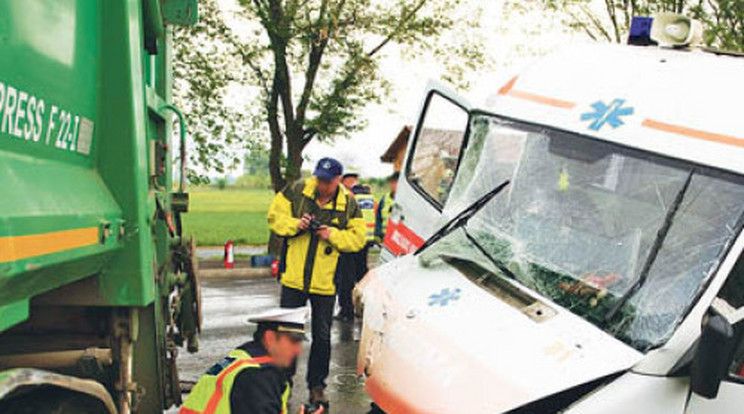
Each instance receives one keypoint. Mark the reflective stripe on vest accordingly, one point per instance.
(366, 203)
(207, 395)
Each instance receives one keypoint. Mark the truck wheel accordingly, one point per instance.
(51, 400)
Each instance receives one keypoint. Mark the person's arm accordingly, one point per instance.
(280, 217)
(257, 392)
(353, 238)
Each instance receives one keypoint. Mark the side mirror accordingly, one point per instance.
(713, 356)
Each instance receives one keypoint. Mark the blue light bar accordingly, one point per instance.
(640, 31)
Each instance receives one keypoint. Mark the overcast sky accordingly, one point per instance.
(514, 40)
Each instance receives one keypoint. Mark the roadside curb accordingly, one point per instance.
(214, 269)
(240, 273)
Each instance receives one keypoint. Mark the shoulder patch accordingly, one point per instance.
(366, 203)
(218, 367)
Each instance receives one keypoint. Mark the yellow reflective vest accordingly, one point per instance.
(309, 263)
(211, 394)
(366, 203)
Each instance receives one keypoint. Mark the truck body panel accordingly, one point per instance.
(87, 235)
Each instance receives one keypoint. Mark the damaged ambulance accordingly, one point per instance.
(575, 247)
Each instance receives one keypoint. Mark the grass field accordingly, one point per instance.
(237, 214)
(217, 215)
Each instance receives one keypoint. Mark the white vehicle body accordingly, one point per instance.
(447, 332)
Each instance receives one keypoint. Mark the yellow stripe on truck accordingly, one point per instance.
(13, 248)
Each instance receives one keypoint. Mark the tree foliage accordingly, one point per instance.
(609, 20)
(313, 66)
(724, 23)
(204, 68)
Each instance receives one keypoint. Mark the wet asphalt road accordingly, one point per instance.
(227, 303)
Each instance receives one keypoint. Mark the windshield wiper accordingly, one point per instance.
(462, 217)
(658, 243)
(505, 270)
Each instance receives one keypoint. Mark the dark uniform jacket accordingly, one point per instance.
(258, 391)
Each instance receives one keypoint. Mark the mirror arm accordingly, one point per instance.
(723, 308)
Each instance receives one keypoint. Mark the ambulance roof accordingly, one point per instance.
(684, 104)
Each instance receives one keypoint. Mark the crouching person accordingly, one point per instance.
(252, 379)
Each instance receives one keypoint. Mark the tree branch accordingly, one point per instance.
(358, 62)
(397, 29)
(596, 23)
(264, 83)
(314, 58)
(610, 6)
(275, 153)
(278, 33)
(583, 25)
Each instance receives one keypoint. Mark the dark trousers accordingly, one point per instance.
(351, 269)
(322, 317)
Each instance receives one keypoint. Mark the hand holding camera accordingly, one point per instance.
(311, 409)
(308, 223)
(305, 221)
(314, 226)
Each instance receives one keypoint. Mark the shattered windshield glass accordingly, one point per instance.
(581, 217)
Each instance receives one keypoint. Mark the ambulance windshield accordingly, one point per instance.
(584, 219)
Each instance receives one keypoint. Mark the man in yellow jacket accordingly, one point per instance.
(318, 220)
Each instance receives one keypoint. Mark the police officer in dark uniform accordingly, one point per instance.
(252, 379)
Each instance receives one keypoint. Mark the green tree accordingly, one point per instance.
(314, 65)
(609, 20)
(724, 23)
(257, 162)
(205, 66)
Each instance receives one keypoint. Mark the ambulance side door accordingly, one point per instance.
(432, 159)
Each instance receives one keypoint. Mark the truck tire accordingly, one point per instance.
(51, 400)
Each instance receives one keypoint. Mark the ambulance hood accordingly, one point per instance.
(434, 341)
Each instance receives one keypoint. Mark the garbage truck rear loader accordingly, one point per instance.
(607, 274)
(97, 284)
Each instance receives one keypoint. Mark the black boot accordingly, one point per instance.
(318, 398)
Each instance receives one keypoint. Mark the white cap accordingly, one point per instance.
(287, 320)
(351, 172)
(297, 316)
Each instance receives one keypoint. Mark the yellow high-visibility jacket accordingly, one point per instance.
(309, 263)
(366, 203)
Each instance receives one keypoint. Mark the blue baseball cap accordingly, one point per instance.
(328, 169)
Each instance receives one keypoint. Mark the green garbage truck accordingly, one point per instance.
(98, 288)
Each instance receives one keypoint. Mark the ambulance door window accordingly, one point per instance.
(436, 148)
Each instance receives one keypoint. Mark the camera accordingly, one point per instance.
(311, 408)
(313, 226)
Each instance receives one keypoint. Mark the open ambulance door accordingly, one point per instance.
(432, 159)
